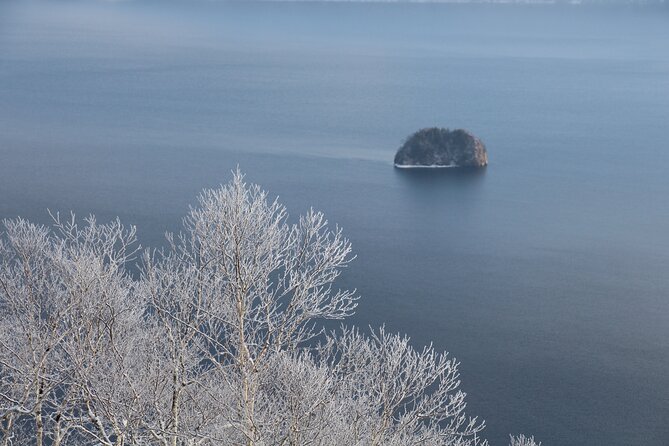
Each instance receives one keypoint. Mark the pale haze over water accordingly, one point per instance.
(546, 274)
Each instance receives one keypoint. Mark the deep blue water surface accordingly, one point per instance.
(546, 274)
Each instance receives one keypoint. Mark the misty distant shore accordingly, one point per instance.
(499, 2)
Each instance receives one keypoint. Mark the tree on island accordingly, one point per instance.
(215, 342)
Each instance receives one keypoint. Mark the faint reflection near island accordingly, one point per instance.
(458, 178)
(450, 187)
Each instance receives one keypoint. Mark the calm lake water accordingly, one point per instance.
(546, 274)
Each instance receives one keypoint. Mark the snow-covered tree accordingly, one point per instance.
(215, 340)
(522, 440)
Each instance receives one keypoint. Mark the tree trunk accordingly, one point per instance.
(39, 422)
(175, 407)
(39, 426)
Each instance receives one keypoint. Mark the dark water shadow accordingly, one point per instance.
(440, 191)
(465, 178)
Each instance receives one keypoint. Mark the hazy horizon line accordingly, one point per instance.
(538, 2)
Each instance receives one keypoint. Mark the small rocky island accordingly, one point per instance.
(439, 147)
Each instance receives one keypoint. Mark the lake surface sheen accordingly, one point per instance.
(546, 274)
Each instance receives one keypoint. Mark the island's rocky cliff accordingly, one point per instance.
(439, 147)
